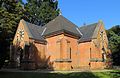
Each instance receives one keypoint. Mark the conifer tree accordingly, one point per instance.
(40, 12)
(11, 11)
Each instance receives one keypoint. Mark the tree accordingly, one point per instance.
(11, 11)
(114, 43)
(40, 12)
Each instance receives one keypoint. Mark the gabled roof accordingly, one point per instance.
(89, 32)
(34, 31)
(59, 24)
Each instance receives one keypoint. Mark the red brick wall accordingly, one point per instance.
(81, 53)
(53, 51)
(74, 51)
(91, 52)
(84, 57)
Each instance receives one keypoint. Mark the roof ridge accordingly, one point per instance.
(26, 28)
(61, 23)
(43, 31)
(33, 30)
(96, 30)
(51, 21)
(68, 20)
(88, 25)
(88, 31)
(76, 27)
(31, 23)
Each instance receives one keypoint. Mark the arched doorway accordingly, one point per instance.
(19, 56)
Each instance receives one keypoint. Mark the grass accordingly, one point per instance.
(110, 74)
(113, 74)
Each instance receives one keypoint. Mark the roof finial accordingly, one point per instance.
(60, 12)
(100, 21)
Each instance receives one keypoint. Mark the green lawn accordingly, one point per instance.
(111, 74)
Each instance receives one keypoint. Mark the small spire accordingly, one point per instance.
(60, 13)
(100, 21)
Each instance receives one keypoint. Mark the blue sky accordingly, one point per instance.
(91, 11)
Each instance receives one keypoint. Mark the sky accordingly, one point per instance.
(91, 11)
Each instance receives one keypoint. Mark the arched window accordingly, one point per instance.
(63, 49)
(59, 49)
(68, 50)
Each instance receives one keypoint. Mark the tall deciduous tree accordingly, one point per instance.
(40, 12)
(114, 43)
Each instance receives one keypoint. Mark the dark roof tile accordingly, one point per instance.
(61, 23)
(87, 32)
(34, 31)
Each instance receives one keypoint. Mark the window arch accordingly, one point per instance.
(68, 50)
(59, 48)
(64, 50)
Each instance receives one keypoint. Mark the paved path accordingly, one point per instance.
(45, 71)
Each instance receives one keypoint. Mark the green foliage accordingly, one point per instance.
(41, 11)
(10, 15)
(11, 11)
(114, 43)
(37, 12)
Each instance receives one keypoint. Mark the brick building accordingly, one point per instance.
(60, 45)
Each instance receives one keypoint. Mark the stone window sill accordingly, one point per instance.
(63, 60)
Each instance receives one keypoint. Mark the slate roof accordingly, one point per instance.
(34, 31)
(60, 23)
(88, 31)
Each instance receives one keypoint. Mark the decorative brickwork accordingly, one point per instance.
(66, 48)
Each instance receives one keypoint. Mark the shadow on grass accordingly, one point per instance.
(46, 75)
(112, 74)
